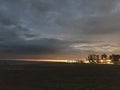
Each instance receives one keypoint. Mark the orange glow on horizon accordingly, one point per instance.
(51, 60)
(42, 60)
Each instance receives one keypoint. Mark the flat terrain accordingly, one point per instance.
(60, 76)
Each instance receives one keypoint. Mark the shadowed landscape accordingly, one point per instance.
(59, 76)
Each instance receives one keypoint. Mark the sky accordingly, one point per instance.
(58, 28)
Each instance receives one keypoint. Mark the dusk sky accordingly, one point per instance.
(43, 28)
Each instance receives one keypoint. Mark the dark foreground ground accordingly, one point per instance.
(59, 76)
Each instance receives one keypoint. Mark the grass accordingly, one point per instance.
(60, 76)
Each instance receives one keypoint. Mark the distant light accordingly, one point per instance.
(86, 61)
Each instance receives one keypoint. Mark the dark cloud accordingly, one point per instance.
(42, 46)
(105, 25)
(57, 26)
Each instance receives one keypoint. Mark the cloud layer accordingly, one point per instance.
(59, 26)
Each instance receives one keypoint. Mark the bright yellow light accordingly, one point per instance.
(51, 60)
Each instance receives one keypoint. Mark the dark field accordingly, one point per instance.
(59, 76)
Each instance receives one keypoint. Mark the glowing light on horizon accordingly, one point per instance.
(42, 60)
(65, 61)
(51, 60)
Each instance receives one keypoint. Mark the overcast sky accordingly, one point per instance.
(36, 28)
